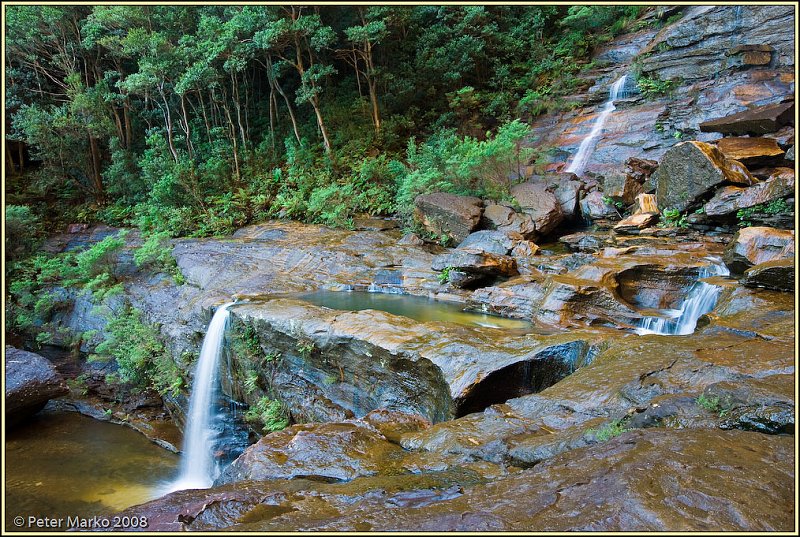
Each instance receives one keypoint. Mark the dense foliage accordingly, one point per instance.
(193, 120)
(196, 120)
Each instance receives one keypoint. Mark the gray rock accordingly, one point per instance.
(730, 199)
(593, 207)
(31, 381)
(541, 204)
(690, 170)
(777, 275)
(493, 242)
(448, 214)
(503, 218)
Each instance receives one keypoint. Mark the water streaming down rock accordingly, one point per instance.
(587, 145)
(198, 466)
(701, 299)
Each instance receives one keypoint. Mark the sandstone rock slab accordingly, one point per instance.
(756, 121)
(778, 275)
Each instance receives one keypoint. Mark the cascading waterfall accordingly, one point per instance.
(198, 468)
(701, 299)
(587, 145)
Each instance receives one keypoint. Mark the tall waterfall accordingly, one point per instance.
(701, 299)
(587, 145)
(198, 468)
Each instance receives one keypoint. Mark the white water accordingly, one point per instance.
(587, 145)
(198, 468)
(701, 299)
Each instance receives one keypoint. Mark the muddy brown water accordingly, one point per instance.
(62, 464)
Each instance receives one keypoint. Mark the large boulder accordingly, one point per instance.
(758, 120)
(622, 187)
(323, 451)
(493, 242)
(754, 245)
(567, 191)
(730, 199)
(541, 204)
(31, 381)
(778, 275)
(506, 219)
(594, 207)
(689, 170)
(749, 151)
(449, 214)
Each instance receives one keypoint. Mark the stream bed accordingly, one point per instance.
(63, 464)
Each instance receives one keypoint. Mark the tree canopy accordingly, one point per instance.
(198, 119)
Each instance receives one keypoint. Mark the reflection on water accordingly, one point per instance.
(63, 464)
(414, 307)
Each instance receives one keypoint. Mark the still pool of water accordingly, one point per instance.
(62, 464)
(414, 307)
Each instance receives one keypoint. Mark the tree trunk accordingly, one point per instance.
(325, 141)
(285, 98)
(97, 177)
(10, 159)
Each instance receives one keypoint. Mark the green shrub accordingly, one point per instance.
(778, 206)
(447, 162)
(141, 357)
(653, 87)
(23, 231)
(156, 252)
(608, 431)
(271, 415)
(714, 404)
(673, 218)
(444, 276)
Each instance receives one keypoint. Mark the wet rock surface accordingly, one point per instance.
(31, 381)
(778, 275)
(332, 451)
(758, 120)
(754, 245)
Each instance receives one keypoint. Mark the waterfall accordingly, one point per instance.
(701, 299)
(198, 468)
(587, 145)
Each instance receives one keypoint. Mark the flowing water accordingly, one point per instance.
(414, 307)
(701, 299)
(62, 464)
(203, 422)
(587, 145)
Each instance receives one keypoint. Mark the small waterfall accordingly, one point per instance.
(701, 299)
(198, 468)
(587, 145)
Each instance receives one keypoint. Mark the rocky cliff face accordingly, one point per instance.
(721, 59)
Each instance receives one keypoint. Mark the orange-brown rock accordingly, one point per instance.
(753, 245)
(754, 151)
(758, 120)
